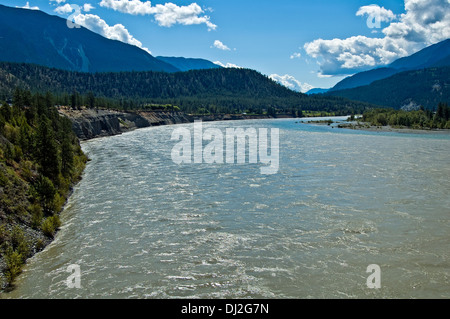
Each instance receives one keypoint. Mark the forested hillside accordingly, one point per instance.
(40, 159)
(214, 90)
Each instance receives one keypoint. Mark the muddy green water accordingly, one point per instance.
(141, 226)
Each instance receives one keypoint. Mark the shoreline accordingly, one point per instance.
(35, 235)
(390, 129)
(36, 238)
(31, 233)
(94, 123)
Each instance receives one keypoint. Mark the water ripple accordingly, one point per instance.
(141, 226)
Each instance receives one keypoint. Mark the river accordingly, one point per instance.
(140, 226)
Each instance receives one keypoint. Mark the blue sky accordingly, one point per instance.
(300, 43)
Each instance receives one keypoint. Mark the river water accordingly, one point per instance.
(140, 226)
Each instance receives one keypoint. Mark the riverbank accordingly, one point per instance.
(36, 240)
(92, 123)
(388, 128)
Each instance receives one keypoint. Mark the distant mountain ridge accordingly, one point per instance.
(433, 56)
(32, 36)
(405, 90)
(317, 91)
(188, 64)
(46, 40)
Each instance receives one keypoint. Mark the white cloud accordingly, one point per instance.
(98, 25)
(424, 22)
(58, 1)
(219, 45)
(291, 82)
(115, 32)
(296, 55)
(27, 6)
(375, 11)
(354, 54)
(87, 7)
(228, 65)
(67, 8)
(166, 15)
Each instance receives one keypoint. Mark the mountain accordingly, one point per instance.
(188, 64)
(32, 36)
(432, 56)
(428, 57)
(406, 90)
(363, 78)
(317, 91)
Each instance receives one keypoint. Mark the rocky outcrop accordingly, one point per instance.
(88, 124)
(91, 123)
(165, 118)
(229, 117)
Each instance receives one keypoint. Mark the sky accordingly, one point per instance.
(301, 44)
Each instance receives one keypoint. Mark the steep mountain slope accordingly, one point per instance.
(32, 36)
(435, 55)
(424, 58)
(188, 64)
(426, 87)
(363, 78)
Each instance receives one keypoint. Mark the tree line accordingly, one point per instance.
(421, 119)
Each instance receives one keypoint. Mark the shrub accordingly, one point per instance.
(381, 120)
(50, 225)
(46, 192)
(19, 242)
(2, 125)
(4, 235)
(36, 216)
(14, 263)
(40, 245)
(27, 170)
(59, 202)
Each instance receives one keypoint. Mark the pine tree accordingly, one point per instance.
(47, 150)
(440, 111)
(18, 98)
(6, 112)
(47, 192)
(91, 100)
(67, 157)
